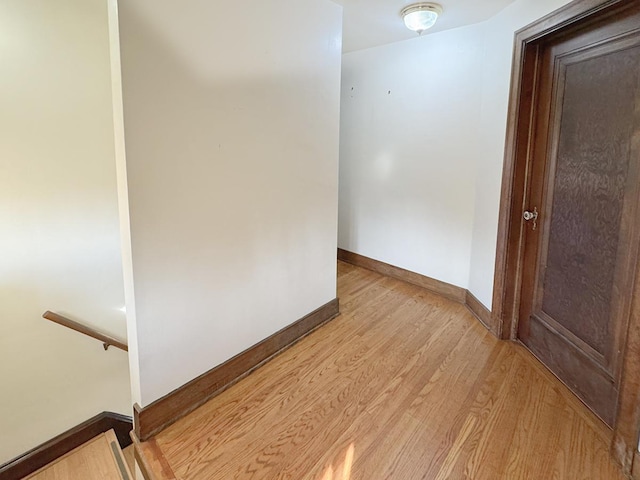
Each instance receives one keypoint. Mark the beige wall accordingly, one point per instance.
(231, 133)
(58, 221)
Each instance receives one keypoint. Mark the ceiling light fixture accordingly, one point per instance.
(421, 16)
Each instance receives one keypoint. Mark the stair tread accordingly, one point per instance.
(100, 459)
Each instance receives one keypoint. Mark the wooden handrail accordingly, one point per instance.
(106, 340)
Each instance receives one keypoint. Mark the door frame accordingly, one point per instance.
(511, 228)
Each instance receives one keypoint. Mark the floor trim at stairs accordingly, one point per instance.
(150, 460)
(46, 453)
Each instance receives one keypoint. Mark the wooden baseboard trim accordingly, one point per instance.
(482, 313)
(436, 286)
(158, 415)
(452, 292)
(49, 451)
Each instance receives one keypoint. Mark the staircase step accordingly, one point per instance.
(99, 459)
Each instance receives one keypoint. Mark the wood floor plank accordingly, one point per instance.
(381, 411)
(440, 415)
(266, 399)
(490, 396)
(403, 385)
(356, 376)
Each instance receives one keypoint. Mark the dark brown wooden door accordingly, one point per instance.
(580, 252)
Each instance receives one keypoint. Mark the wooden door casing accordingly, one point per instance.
(578, 265)
(521, 135)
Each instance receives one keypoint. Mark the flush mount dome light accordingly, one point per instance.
(420, 16)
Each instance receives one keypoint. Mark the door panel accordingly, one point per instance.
(577, 275)
(591, 177)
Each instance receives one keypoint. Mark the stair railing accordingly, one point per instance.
(107, 341)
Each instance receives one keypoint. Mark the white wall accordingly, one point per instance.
(231, 133)
(58, 222)
(407, 152)
(421, 168)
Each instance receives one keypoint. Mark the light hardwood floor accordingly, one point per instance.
(403, 385)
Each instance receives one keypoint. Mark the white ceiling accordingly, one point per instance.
(369, 23)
